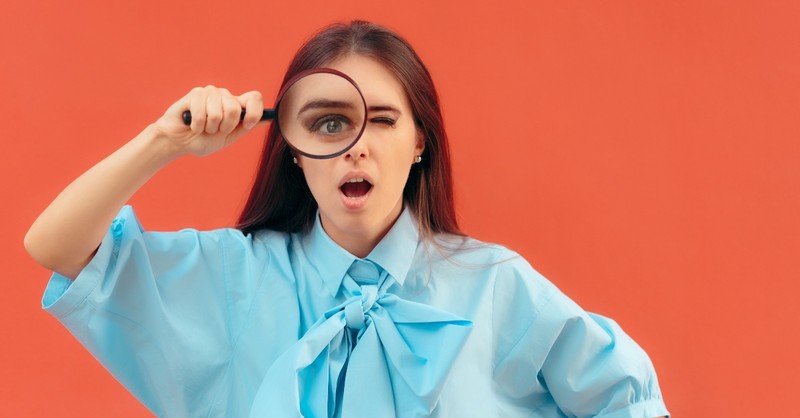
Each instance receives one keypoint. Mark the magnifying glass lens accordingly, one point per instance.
(321, 115)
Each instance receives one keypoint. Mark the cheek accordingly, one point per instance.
(316, 176)
(400, 165)
(404, 145)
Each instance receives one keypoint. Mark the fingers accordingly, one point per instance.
(231, 112)
(197, 106)
(215, 110)
(253, 104)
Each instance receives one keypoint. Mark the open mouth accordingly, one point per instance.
(355, 188)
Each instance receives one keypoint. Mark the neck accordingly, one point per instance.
(359, 246)
(358, 241)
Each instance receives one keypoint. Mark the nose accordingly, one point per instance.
(359, 150)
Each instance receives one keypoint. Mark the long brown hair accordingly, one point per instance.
(280, 198)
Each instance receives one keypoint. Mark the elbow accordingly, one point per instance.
(32, 246)
(38, 245)
(36, 248)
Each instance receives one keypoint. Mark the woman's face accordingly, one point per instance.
(360, 193)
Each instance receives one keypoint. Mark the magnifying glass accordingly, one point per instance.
(320, 113)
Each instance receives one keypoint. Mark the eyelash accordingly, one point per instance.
(386, 121)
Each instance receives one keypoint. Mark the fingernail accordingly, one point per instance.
(249, 125)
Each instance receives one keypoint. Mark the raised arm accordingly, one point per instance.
(68, 232)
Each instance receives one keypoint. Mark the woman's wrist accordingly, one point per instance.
(161, 149)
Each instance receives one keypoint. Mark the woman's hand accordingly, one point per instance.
(66, 235)
(216, 120)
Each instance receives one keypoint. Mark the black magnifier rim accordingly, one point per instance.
(295, 79)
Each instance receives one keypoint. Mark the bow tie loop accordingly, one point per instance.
(357, 307)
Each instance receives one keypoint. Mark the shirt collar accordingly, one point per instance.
(394, 253)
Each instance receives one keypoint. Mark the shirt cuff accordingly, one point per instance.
(63, 295)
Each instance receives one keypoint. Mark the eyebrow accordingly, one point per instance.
(325, 104)
(384, 108)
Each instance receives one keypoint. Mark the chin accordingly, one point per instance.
(363, 222)
(360, 222)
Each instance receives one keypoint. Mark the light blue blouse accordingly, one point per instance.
(219, 324)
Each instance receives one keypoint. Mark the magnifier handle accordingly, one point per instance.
(269, 114)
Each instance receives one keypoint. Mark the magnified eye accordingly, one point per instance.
(330, 125)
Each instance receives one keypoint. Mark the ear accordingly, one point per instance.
(420, 146)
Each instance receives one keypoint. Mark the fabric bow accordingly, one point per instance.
(375, 355)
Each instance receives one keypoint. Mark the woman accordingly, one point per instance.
(348, 289)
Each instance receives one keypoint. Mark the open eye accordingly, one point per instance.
(330, 125)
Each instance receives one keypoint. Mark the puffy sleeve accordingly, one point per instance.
(550, 351)
(158, 310)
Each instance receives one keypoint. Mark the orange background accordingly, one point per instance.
(641, 154)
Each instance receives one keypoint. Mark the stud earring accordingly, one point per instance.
(294, 160)
(418, 159)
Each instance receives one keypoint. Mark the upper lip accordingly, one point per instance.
(356, 175)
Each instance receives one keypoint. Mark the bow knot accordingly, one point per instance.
(357, 306)
(401, 354)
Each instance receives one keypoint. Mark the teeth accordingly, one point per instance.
(355, 180)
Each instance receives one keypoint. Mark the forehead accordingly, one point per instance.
(377, 83)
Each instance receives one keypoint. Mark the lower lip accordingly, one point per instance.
(355, 203)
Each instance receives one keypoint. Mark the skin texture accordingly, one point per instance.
(384, 154)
